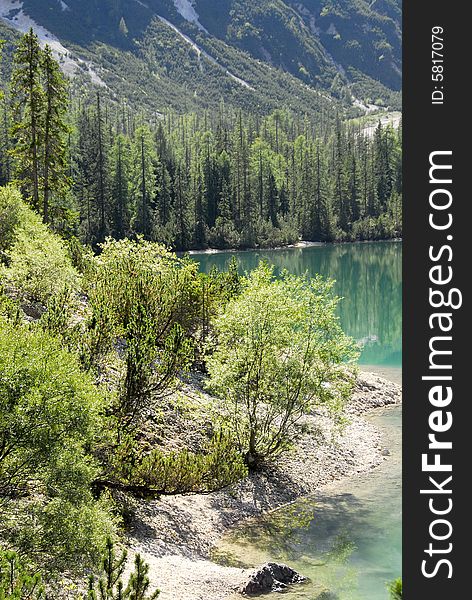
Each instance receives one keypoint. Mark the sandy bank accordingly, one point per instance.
(175, 535)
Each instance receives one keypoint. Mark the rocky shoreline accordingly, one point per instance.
(176, 535)
(300, 244)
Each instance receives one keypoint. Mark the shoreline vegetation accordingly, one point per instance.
(179, 536)
(182, 402)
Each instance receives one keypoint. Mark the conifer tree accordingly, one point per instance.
(4, 134)
(139, 583)
(101, 170)
(143, 178)
(28, 116)
(85, 174)
(120, 187)
(55, 159)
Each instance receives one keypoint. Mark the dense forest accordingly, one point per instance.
(220, 179)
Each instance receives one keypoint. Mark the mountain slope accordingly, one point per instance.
(311, 55)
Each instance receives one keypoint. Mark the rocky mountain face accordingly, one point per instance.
(311, 55)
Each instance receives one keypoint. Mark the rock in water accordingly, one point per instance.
(271, 577)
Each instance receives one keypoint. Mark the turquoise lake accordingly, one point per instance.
(347, 539)
(368, 278)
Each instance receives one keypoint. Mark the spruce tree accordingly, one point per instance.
(143, 181)
(56, 180)
(101, 170)
(120, 187)
(28, 108)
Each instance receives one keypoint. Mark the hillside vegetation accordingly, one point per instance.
(125, 374)
(305, 56)
(90, 373)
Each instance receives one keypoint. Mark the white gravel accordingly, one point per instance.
(175, 535)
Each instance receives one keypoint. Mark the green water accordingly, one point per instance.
(347, 540)
(368, 277)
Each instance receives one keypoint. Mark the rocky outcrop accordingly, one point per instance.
(271, 577)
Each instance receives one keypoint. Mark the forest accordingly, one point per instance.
(104, 329)
(221, 179)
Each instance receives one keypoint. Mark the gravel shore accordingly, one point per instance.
(176, 535)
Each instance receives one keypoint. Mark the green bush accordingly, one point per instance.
(49, 419)
(280, 352)
(36, 261)
(143, 299)
(159, 472)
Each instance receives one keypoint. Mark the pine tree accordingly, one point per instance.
(5, 158)
(199, 193)
(55, 160)
(28, 106)
(4, 131)
(120, 187)
(110, 585)
(113, 567)
(143, 178)
(339, 177)
(139, 584)
(182, 224)
(85, 174)
(16, 582)
(101, 171)
(164, 194)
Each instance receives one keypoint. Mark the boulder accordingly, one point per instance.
(271, 577)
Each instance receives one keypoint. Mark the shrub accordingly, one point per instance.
(144, 297)
(219, 465)
(280, 353)
(11, 206)
(36, 261)
(49, 418)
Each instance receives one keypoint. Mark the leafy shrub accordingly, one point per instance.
(49, 418)
(37, 261)
(280, 353)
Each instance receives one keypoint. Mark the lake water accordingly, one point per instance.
(347, 540)
(368, 277)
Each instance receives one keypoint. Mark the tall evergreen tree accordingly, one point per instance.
(101, 170)
(144, 167)
(28, 104)
(56, 179)
(120, 166)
